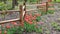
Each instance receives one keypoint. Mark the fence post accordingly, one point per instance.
(46, 7)
(24, 4)
(21, 15)
(37, 6)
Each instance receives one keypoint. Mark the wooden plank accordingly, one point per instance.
(46, 7)
(39, 4)
(21, 14)
(36, 5)
(31, 10)
(26, 10)
(6, 21)
(40, 8)
(9, 11)
(51, 8)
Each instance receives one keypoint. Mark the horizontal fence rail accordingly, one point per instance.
(26, 10)
(9, 11)
(39, 4)
(6, 21)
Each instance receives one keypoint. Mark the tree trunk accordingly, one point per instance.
(14, 3)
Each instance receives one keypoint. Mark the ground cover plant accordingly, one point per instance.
(55, 26)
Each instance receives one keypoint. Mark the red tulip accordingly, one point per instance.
(26, 19)
(30, 22)
(8, 27)
(29, 18)
(26, 16)
(22, 24)
(34, 17)
(14, 23)
(30, 15)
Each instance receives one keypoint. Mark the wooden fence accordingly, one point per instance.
(22, 12)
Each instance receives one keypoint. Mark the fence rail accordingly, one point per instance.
(21, 12)
(39, 4)
(9, 11)
(6, 21)
(26, 10)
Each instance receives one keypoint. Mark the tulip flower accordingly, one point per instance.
(14, 23)
(26, 19)
(30, 18)
(30, 22)
(34, 17)
(8, 26)
(30, 15)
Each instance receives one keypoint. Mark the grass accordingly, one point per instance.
(57, 0)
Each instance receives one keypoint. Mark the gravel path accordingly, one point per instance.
(14, 15)
(52, 18)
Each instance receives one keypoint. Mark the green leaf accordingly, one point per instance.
(38, 18)
(2, 32)
(54, 24)
(50, 12)
(8, 31)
